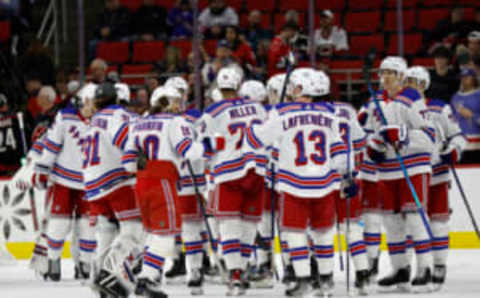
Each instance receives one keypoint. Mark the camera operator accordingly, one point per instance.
(10, 140)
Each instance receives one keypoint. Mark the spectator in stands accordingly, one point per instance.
(11, 151)
(141, 101)
(451, 30)
(466, 103)
(180, 20)
(173, 61)
(330, 40)
(223, 58)
(254, 33)
(152, 81)
(41, 103)
(444, 80)
(149, 21)
(241, 51)
(38, 60)
(113, 22)
(292, 16)
(280, 48)
(98, 68)
(216, 16)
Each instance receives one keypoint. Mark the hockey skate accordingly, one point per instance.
(109, 285)
(82, 271)
(373, 269)
(54, 270)
(39, 261)
(315, 276)
(399, 278)
(362, 282)
(422, 282)
(236, 286)
(300, 289)
(288, 275)
(150, 289)
(195, 282)
(263, 278)
(438, 278)
(325, 286)
(177, 271)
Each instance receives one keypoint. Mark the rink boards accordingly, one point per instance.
(17, 229)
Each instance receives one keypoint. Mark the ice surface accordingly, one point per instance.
(463, 280)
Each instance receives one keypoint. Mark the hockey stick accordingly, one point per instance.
(347, 230)
(205, 219)
(272, 222)
(464, 197)
(340, 248)
(25, 152)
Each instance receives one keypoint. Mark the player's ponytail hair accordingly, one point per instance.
(160, 107)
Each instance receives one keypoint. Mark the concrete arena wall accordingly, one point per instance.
(17, 231)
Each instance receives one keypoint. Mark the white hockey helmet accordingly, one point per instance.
(394, 63)
(419, 73)
(123, 91)
(168, 92)
(228, 78)
(303, 82)
(179, 83)
(87, 92)
(322, 83)
(274, 87)
(253, 90)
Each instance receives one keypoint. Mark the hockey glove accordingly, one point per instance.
(349, 188)
(39, 181)
(213, 145)
(376, 149)
(395, 135)
(450, 155)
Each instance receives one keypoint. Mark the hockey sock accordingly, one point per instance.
(154, 258)
(191, 234)
(123, 245)
(87, 242)
(247, 241)
(57, 230)
(409, 246)
(421, 240)
(395, 230)
(265, 231)
(285, 251)
(371, 234)
(231, 232)
(75, 242)
(357, 247)
(178, 246)
(105, 231)
(440, 242)
(323, 245)
(299, 252)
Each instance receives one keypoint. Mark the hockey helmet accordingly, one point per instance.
(253, 90)
(419, 73)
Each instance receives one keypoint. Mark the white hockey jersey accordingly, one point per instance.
(230, 118)
(447, 133)
(185, 185)
(103, 145)
(312, 153)
(407, 108)
(61, 156)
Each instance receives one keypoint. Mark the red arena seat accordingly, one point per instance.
(409, 20)
(360, 45)
(148, 51)
(113, 52)
(412, 44)
(362, 22)
(135, 69)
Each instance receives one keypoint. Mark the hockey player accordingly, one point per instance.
(450, 144)
(109, 190)
(238, 199)
(311, 163)
(355, 138)
(165, 140)
(408, 133)
(61, 165)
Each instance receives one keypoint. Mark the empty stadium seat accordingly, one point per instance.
(5, 31)
(362, 21)
(406, 3)
(294, 4)
(427, 62)
(265, 5)
(113, 52)
(436, 3)
(131, 4)
(412, 44)
(360, 45)
(185, 46)
(332, 5)
(428, 18)
(365, 4)
(148, 51)
(390, 22)
(135, 69)
(344, 65)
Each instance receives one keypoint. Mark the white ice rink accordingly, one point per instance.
(463, 280)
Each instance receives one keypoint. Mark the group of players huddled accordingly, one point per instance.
(130, 186)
